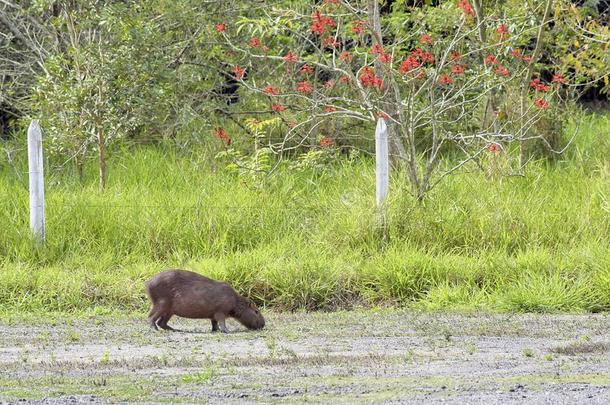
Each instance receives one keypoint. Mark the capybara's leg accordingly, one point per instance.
(163, 322)
(214, 325)
(152, 318)
(220, 318)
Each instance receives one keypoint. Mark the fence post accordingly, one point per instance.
(36, 175)
(382, 172)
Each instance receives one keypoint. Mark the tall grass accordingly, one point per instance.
(308, 240)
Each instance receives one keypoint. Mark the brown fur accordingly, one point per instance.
(191, 295)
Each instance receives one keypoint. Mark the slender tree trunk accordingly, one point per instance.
(525, 84)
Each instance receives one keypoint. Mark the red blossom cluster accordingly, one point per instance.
(415, 59)
(319, 23)
(329, 109)
(490, 60)
(304, 87)
(385, 58)
(358, 27)
(538, 85)
(445, 79)
(331, 42)
(558, 78)
(494, 148)
(377, 49)
(239, 72)
(278, 108)
(255, 42)
(542, 103)
(344, 79)
(503, 31)
(458, 69)
(271, 90)
(326, 142)
(345, 56)
(291, 57)
(306, 69)
(466, 7)
(502, 71)
(220, 27)
(368, 78)
(221, 134)
(409, 64)
(455, 56)
(426, 39)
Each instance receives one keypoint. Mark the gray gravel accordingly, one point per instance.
(383, 356)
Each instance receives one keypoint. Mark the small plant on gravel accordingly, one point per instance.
(527, 352)
(203, 376)
(73, 337)
(549, 357)
(105, 359)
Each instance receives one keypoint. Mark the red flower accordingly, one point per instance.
(490, 60)
(466, 7)
(426, 39)
(239, 72)
(516, 53)
(503, 31)
(326, 142)
(541, 103)
(457, 69)
(377, 49)
(502, 71)
(329, 84)
(331, 42)
(385, 58)
(423, 56)
(278, 108)
(538, 85)
(291, 57)
(220, 27)
(255, 42)
(494, 148)
(304, 87)
(345, 56)
(409, 64)
(345, 79)
(368, 78)
(445, 79)
(319, 23)
(221, 134)
(329, 109)
(358, 27)
(306, 69)
(271, 90)
(558, 78)
(455, 55)
(421, 75)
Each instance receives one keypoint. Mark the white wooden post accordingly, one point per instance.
(36, 181)
(383, 166)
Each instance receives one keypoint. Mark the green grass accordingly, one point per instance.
(308, 239)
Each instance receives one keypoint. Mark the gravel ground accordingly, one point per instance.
(384, 356)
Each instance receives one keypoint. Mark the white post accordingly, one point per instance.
(383, 166)
(36, 181)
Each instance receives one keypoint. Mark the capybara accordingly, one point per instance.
(191, 295)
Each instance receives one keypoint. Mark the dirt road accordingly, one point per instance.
(345, 357)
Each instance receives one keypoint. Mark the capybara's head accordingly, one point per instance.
(251, 317)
